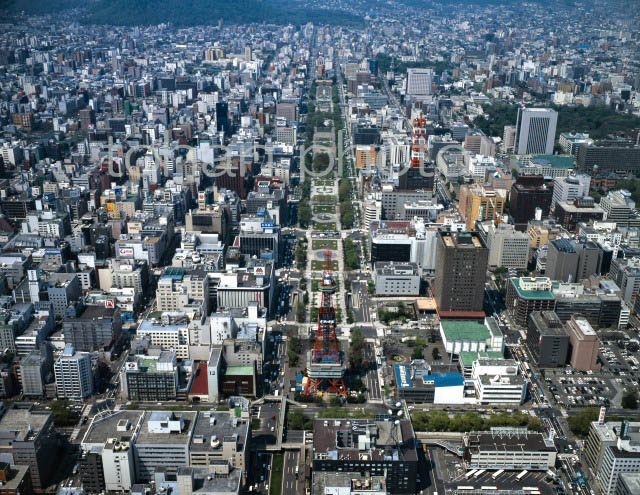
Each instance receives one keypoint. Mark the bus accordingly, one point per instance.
(464, 488)
(479, 473)
(521, 475)
(495, 475)
(488, 488)
(530, 490)
(470, 474)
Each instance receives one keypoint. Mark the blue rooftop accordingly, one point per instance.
(403, 376)
(445, 379)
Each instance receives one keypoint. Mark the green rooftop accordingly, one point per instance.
(531, 294)
(239, 370)
(149, 365)
(465, 330)
(468, 358)
(556, 161)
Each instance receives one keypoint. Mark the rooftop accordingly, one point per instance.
(531, 294)
(239, 370)
(338, 439)
(465, 330)
(20, 423)
(468, 358)
(507, 441)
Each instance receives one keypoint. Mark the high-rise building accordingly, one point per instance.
(507, 247)
(74, 379)
(536, 131)
(526, 295)
(478, 203)
(567, 189)
(419, 82)
(625, 272)
(29, 438)
(584, 344)
(571, 261)
(527, 194)
(461, 269)
(509, 138)
(547, 339)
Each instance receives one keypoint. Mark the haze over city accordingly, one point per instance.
(319, 248)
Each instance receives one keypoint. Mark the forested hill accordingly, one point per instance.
(186, 12)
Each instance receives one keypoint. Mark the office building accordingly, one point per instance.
(528, 294)
(571, 141)
(35, 371)
(573, 260)
(528, 193)
(96, 328)
(536, 131)
(74, 378)
(416, 383)
(584, 344)
(479, 203)
(628, 484)
(619, 459)
(63, 289)
(568, 189)
(150, 378)
(547, 339)
(510, 449)
(508, 247)
(619, 208)
(580, 210)
(600, 307)
(179, 287)
(461, 269)
(497, 381)
(419, 82)
(382, 448)
(137, 446)
(604, 157)
(509, 139)
(396, 279)
(27, 437)
(625, 272)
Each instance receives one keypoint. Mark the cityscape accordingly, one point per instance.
(319, 248)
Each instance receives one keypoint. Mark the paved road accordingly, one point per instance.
(291, 479)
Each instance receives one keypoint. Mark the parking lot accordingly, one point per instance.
(620, 368)
(506, 481)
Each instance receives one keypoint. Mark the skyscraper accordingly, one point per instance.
(419, 82)
(536, 131)
(461, 268)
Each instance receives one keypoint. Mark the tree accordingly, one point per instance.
(581, 422)
(630, 400)
(418, 353)
(356, 349)
(304, 214)
(293, 358)
(301, 312)
(435, 354)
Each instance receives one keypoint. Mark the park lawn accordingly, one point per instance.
(324, 226)
(316, 244)
(319, 265)
(324, 208)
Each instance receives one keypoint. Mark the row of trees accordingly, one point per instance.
(351, 251)
(470, 421)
